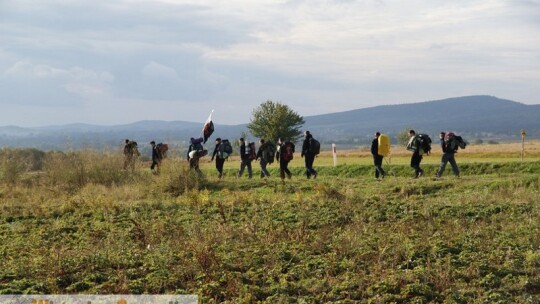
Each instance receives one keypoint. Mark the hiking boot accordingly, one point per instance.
(315, 175)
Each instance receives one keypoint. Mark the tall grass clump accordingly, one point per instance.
(72, 171)
(176, 178)
(14, 163)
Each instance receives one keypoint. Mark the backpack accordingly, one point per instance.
(131, 147)
(162, 149)
(197, 144)
(423, 143)
(453, 142)
(251, 150)
(268, 153)
(288, 154)
(314, 146)
(225, 149)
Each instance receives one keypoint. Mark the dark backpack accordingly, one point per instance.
(423, 141)
(453, 142)
(162, 149)
(288, 153)
(251, 151)
(225, 147)
(314, 146)
(131, 147)
(197, 144)
(268, 153)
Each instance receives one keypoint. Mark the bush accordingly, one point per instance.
(12, 165)
(73, 170)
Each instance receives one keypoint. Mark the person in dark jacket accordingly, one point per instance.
(416, 157)
(309, 156)
(263, 162)
(377, 159)
(156, 159)
(447, 157)
(282, 155)
(245, 161)
(220, 160)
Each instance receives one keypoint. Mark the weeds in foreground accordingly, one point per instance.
(78, 228)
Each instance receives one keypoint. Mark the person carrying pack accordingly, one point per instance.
(195, 152)
(219, 154)
(310, 149)
(377, 158)
(156, 159)
(162, 149)
(131, 152)
(265, 155)
(225, 149)
(245, 159)
(449, 146)
(284, 154)
(418, 145)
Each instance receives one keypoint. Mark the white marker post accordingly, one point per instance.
(523, 134)
(334, 152)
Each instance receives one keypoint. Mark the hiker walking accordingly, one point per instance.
(284, 155)
(310, 149)
(220, 159)
(265, 155)
(156, 158)
(245, 158)
(416, 157)
(130, 154)
(448, 155)
(377, 159)
(195, 152)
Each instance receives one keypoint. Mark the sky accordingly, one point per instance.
(120, 61)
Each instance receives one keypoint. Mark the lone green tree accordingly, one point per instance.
(272, 120)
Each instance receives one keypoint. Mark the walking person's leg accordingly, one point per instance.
(289, 174)
(454, 165)
(378, 166)
(242, 167)
(310, 162)
(264, 171)
(306, 162)
(250, 170)
(282, 168)
(442, 166)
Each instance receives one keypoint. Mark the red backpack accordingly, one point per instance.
(288, 153)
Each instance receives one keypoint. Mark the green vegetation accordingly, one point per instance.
(77, 223)
(272, 120)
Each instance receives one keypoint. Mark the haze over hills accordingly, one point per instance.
(474, 117)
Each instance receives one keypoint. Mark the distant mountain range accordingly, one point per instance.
(483, 117)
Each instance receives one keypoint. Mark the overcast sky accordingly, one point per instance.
(120, 61)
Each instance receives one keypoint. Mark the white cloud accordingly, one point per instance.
(317, 55)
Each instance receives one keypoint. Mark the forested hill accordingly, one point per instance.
(476, 117)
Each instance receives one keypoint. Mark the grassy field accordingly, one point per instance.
(76, 223)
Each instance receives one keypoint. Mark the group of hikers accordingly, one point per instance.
(283, 152)
(131, 153)
(266, 154)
